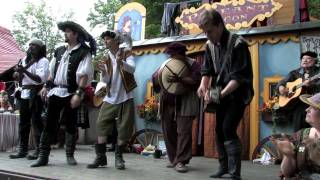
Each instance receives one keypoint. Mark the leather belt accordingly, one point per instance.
(32, 86)
(60, 86)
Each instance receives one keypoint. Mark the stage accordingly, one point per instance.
(138, 168)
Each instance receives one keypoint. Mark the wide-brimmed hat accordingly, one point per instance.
(311, 100)
(37, 42)
(176, 48)
(309, 53)
(82, 33)
(74, 27)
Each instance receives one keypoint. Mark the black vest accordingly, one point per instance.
(76, 57)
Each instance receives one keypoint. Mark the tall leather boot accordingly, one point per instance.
(35, 154)
(223, 160)
(101, 158)
(70, 148)
(233, 148)
(45, 148)
(23, 144)
(119, 162)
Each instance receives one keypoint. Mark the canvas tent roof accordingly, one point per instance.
(9, 50)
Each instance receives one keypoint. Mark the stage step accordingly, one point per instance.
(9, 175)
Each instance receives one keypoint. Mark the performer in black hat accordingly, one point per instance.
(33, 72)
(70, 72)
(307, 69)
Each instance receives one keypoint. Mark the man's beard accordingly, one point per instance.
(66, 39)
(32, 52)
(29, 51)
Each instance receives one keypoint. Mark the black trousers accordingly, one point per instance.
(57, 106)
(30, 113)
(298, 116)
(228, 116)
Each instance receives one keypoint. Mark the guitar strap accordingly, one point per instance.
(110, 72)
(231, 41)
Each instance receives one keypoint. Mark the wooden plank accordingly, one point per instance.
(19, 176)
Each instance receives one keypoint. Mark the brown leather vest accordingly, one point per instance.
(128, 79)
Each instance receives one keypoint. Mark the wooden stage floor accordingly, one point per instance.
(138, 168)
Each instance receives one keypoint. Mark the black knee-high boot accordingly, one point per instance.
(45, 148)
(35, 154)
(101, 158)
(119, 162)
(23, 143)
(233, 148)
(223, 160)
(70, 148)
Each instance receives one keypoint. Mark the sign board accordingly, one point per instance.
(236, 13)
(131, 19)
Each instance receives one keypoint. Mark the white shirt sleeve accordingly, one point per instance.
(43, 69)
(105, 76)
(51, 67)
(85, 68)
(129, 65)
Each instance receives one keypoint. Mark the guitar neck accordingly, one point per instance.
(299, 85)
(311, 79)
(314, 77)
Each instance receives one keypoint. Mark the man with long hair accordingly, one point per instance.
(70, 72)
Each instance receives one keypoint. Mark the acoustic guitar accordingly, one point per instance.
(295, 89)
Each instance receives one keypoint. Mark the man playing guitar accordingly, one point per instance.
(307, 70)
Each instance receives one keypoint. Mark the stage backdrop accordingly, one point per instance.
(146, 65)
(276, 59)
(131, 19)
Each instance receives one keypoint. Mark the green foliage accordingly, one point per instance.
(102, 17)
(103, 13)
(37, 22)
(153, 30)
(314, 6)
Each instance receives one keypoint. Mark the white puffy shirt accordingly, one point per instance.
(40, 68)
(85, 68)
(118, 93)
